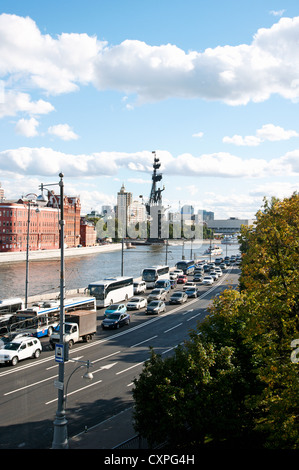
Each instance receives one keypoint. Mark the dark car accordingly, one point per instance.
(155, 307)
(115, 320)
(178, 297)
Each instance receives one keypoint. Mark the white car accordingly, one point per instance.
(179, 272)
(189, 284)
(18, 349)
(218, 271)
(208, 280)
(136, 303)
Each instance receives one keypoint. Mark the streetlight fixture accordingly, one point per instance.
(87, 376)
(60, 439)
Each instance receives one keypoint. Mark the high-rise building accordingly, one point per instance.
(124, 200)
(1, 193)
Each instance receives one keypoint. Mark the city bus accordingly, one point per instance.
(111, 290)
(11, 305)
(43, 317)
(187, 266)
(153, 274)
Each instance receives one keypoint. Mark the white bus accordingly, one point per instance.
(11, 305)
(153, 274)
(111, 290)
(41, 320)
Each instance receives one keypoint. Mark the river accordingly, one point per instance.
(44, 276)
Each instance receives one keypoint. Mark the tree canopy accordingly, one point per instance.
(233, 379)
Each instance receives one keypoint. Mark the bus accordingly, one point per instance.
(153, 274)
(111, 290)
(187, 266)
(11, 305)
(43, 317)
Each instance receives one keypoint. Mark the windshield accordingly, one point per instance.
(154, 303)
(12, 346)
(113, 316)
(149, 275)
(97, 291)
(112, 307)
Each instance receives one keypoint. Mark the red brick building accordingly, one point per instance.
(88, 233)
(43, 224)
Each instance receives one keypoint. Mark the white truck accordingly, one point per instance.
(80, 325)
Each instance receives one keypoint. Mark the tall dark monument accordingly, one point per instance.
(154, 206)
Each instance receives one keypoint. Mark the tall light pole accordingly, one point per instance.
(60, 438)
(27, 248)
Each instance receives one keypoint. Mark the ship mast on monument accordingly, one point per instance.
(154, 206)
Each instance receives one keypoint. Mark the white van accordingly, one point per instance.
(139, 287)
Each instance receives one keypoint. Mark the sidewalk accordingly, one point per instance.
(108, 434)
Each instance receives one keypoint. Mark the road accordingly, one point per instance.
(28, 400)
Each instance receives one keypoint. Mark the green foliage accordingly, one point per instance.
(234, 377)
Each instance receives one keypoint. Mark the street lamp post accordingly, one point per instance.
(27, 248)
(60, 438)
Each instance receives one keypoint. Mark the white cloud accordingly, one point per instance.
(268, 132)
(15, 102)
(198, 134)
(277, 12)
(27, 127)
(63, 131)
(49, 162)
(235, 75)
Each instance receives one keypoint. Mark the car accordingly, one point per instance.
(10, 337)
(214, 275)
(139, 287)
(173, 275)
(178, 297)
(163, 284)
(157, 294)
(218, 271)
(173, 283)
(207, 280)
(136, 303)
(115, 308)
(115, 320)
(19, 349)
(182, 279)
(156, 306)
(191, 292)
(223, 266)
(179, 272)
(198, 277)
(189, 284)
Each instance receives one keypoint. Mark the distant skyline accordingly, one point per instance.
(92, 88)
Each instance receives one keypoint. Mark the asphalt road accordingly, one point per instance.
(28, 397)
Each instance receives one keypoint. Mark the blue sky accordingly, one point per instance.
(92, 88)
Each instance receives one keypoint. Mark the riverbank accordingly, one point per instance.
(13, 257)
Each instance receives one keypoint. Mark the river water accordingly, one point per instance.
(44, 276)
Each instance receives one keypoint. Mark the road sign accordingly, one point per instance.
(59, 353)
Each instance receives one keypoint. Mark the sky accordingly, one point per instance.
(92, 88)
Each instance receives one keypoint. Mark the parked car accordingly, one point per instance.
(115, 308)
(207, 280)
(139, 287)
(115, 320)
(19, 349)
(189, 284)
(182, 279)
(191, 292)
(157, 294)
(136, 303)
(156, 306)
(178, 297)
